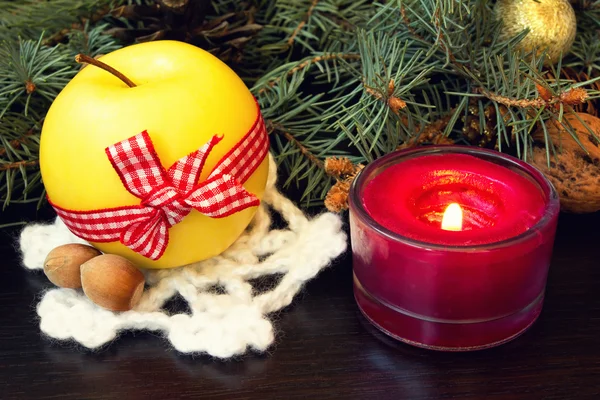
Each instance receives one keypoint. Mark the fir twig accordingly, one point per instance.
(63, 34)
(17, 143)
(292, 38)
(336, 79)
(394, 103)
(274, 127)
(19, 165)
(433, 133)
(28, 19)
(570, 97)
(31, 75)
(510, 102)
(306, 63)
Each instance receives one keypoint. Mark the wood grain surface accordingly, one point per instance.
(324, 348)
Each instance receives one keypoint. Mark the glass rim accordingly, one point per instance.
(551, 209)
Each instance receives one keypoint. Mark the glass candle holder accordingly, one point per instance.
(453, 290)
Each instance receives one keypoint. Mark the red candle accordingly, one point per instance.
(451, 245)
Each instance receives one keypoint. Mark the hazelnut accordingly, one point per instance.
(62, 264)
(112, 282)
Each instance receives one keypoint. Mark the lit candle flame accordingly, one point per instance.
(453, 218)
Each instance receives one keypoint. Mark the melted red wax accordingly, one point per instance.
(410, 198)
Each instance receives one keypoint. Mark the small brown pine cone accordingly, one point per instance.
(337, 198)
(339, 166)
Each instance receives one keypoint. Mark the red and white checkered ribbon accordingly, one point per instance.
(167, 196)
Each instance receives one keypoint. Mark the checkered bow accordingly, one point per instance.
(168, 196)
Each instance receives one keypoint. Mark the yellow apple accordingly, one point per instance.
(183, 97)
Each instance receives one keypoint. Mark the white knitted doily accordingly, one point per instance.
(221, 324)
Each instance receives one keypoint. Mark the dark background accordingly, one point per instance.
(324, 347)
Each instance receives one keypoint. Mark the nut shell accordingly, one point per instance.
(112, 282)
(574, 174)
(62, 264)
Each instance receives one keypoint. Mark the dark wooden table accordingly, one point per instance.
(324, 348)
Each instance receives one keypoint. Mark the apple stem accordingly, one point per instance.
(82, 58)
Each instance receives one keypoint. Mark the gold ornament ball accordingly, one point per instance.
(552, 25)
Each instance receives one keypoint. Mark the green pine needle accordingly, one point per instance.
(346, 78)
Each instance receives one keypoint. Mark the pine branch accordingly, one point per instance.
(67, 33)
(92, 40)
(18, 143)
(306, 63)
(354, 79)
(310, 25)
(31, 70)
(303, 121)
(31, 76)
(585, 53)
(18, 165)
(19, 148)
(292, 38)
(274, 127)
(28, 19)
(510, 102)
(571, 97)
(466, 36)
(588, 14)
(390, 74)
